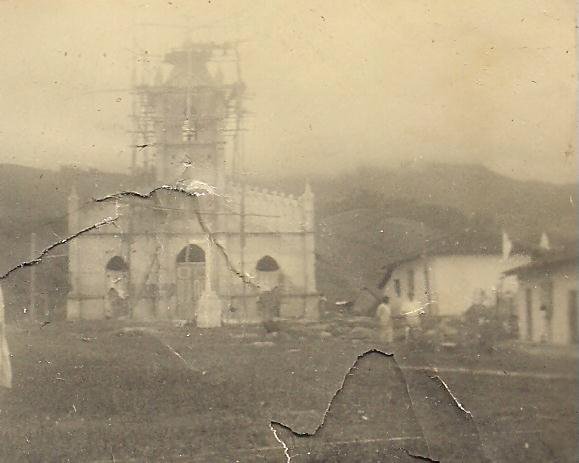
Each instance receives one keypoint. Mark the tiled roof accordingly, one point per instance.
(547, 261)
(467, 243)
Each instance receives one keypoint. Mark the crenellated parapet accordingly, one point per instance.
(273, 210)
(264, 194)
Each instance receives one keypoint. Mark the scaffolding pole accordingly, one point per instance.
(239, 161)
(33, 314)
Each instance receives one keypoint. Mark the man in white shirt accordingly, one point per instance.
(384, 315)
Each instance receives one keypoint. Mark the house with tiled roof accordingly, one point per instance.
(449, 275)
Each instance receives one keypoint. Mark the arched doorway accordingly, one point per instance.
(190, 280)
(269, 281)
(117, 288)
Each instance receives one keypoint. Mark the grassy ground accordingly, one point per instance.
(102, 391)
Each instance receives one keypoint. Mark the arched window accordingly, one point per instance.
(117, 264)
(116, 281)
(268, 273)
(191, 253)
(267, 264)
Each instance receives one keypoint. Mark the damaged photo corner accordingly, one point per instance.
(273, 231)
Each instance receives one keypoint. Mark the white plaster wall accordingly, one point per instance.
(420, 296)
(87, 261)
(266, 210)
(297, 275)
(461, 279)
(93, 254)
(564, 280)
(454, 281)
(88, 215)
(287, 249)
(275, 226)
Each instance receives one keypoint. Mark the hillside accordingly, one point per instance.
(35, 201)
(470, 190)
(355, 245)
(371, 217)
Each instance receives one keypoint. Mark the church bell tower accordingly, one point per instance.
(182, 118)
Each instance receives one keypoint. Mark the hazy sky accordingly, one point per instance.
(333, 83)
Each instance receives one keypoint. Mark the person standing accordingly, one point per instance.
(5, 365)
(266, 305)
(384, 315)
(547, 311)
(411, 312)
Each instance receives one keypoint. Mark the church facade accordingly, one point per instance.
(204, 246)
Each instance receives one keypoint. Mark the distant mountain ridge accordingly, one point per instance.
(468, 189)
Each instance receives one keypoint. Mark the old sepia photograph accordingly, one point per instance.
(290, 231)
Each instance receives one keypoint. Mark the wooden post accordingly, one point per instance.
(129, 252)
(428, 290)
(33, 314)
(426, 269)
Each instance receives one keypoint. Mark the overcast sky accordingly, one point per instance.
(333, 83)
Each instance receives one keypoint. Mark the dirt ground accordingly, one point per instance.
(117, 392)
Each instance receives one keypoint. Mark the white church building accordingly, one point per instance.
(205, 245)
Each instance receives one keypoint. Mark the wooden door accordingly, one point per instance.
(190, 286)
